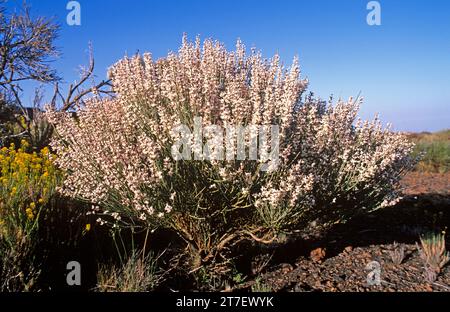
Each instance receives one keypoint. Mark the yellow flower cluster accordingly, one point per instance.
(27, 181)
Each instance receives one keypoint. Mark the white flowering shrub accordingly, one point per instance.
(118, 154)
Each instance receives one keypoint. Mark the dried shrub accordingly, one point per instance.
(138, 273)
(397, 253)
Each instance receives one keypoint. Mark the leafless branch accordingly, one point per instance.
(76, 92)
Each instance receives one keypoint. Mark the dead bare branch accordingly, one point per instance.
(76, 92)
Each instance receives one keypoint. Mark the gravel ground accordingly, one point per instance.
(338, 262)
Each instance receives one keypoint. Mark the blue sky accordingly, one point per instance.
(401, 67)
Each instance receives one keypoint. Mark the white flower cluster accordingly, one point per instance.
(117, 152)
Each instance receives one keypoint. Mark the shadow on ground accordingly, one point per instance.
(413, 216)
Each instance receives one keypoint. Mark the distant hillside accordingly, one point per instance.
(434, 150)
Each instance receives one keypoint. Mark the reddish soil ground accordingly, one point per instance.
(338, 261)
(425, 183)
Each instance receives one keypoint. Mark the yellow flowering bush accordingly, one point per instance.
(27, 181)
